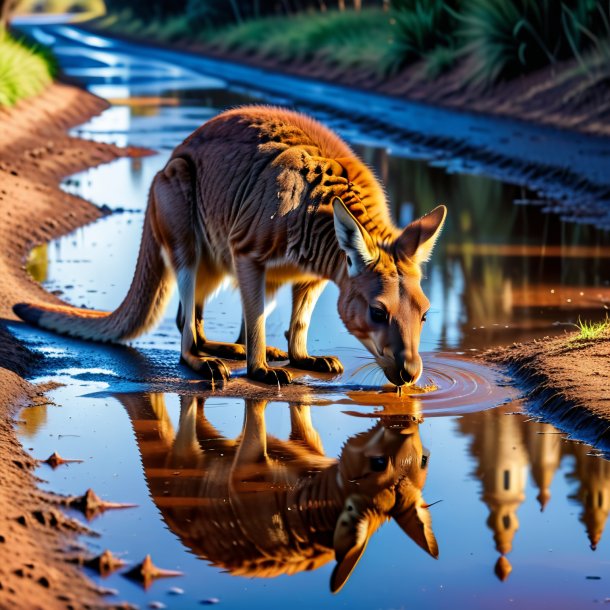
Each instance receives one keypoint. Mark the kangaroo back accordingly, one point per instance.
(140, 310)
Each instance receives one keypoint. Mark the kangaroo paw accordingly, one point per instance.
(231, 351)
(320, 364)
(213, 369)
(275, 354)
(237, 351)
(271, 376)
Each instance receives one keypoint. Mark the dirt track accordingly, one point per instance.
(35, 153)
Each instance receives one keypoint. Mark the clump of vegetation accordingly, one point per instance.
(341, 38)
(347, 38)
(90, 7)
(510, 38)
(502, 39)
(422, 30)
(591, 330)
(25, 70)
(494, 39)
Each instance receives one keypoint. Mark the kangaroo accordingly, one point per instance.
(260, 506)
(268, 196)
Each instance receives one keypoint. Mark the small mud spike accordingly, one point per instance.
(55, 460)
(91, 505)
(105, 564)
(147, 572)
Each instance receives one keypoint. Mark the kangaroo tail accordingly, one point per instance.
(146, 299)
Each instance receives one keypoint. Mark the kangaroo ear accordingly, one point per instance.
(353, 239)
(414, 519)
(352, 534)
(418, 238)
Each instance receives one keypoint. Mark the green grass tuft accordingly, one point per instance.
(591, 330)
(25, 70)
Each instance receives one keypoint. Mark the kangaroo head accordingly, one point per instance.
(381, 301)
(382, 473)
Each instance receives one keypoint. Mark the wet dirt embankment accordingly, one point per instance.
(35, 153)
(563, 95)
(566, 381)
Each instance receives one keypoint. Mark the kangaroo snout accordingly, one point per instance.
(406, 370)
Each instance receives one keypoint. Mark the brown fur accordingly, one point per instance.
(270, 196)
(260, 506)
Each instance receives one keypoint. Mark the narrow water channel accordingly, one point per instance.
(518, 511)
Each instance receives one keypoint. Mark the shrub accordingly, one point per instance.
(24, 70)
(509, 38)
(418, 28)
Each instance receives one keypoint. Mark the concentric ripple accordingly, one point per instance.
(460, 386)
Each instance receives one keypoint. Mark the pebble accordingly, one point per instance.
(176, 591)
(210, 601)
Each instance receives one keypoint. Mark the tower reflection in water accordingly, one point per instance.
(503, 447)
(260, 506)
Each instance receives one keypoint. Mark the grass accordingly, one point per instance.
(25, 70)
(495, 39)
(344, 39)
(90, 7)
(591, 330)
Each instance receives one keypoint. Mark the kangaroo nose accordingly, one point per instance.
(410, 365)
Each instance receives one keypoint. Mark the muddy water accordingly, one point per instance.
(506, 269)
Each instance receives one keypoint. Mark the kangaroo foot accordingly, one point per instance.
(232, 351)
(270, 375)
(275, 354)
(213, 369)
(320, 364)
(237, 351)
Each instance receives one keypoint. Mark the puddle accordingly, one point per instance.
(491, 472)
(504, 270)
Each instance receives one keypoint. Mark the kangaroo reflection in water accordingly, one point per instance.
(260, 506)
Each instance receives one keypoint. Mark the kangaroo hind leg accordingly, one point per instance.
(175, 216)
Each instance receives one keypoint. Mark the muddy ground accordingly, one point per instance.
(35, 153)
(567, 381)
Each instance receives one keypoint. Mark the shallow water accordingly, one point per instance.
(490, 471)
(502, 272)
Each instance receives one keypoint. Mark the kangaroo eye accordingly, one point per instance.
(424, 317)
(378, 315)
(378, 463)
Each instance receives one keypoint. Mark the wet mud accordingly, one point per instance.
(35, 153)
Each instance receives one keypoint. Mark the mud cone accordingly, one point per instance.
(91, 505)
(105, 564)
(55, 460)
(147, 572)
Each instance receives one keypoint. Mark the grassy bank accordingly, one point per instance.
(25, 70)
(488, 40)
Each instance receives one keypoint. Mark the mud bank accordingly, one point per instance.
(35, 153)
(561, 96)
(567, 381)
